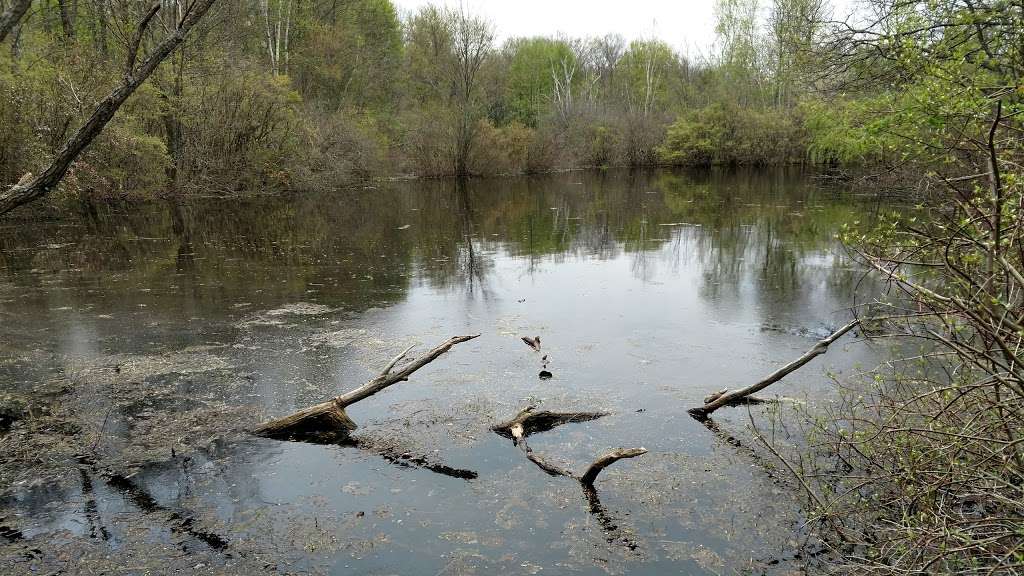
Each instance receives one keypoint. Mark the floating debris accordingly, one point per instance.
(532, 342)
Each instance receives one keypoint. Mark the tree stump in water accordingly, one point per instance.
(328, 420)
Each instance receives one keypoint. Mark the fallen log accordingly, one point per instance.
(529, 422)
(328, 420)
(727, 398)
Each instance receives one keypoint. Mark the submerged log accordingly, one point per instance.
(392, 450)
(533, 422)
(329, 420)
(529, 422)
(723, 398)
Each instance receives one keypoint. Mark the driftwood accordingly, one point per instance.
(529, 422)
(606, 460)
(328, 420)
(723, 398)
(533, 422)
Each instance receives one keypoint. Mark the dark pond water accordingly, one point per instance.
(155, 335)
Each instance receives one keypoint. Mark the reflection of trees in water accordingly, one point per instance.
(760, 241)
(756, 233)
(762, 238)
(472, 266)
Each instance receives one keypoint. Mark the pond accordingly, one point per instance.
(139, 342)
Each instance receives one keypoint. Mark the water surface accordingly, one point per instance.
(162, 331)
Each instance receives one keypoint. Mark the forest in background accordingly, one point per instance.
(287, 94)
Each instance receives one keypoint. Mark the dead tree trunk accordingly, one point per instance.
(30, 188)
(716, 401)
(10, 17)
(329, 418)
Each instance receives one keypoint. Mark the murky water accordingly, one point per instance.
(156, 334)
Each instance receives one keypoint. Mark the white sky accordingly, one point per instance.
(686, 25)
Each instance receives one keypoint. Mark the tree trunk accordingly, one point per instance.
(172, 123)
(66, 20)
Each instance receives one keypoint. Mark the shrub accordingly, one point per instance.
(501, 150)
(722, 134)
(243, 133)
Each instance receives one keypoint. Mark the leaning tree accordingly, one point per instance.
(136, 72)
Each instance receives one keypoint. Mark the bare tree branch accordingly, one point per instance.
(731, 397)
(140, 30)
(329, 419)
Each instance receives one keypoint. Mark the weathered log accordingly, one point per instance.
(328, 419)
(529, 422)
(533, 422)
(519, 439)
(717, 401)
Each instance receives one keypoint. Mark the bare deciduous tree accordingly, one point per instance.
(472, 39)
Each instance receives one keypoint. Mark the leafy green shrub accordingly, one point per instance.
(724, 134)
(845, 132)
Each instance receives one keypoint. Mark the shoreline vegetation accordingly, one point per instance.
(283, 95)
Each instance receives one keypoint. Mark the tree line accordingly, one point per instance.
(275, 94)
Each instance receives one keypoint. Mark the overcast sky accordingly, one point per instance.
(686, 25)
